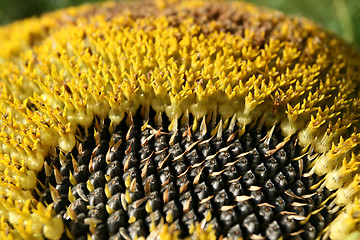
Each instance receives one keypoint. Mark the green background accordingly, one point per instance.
(340, 16)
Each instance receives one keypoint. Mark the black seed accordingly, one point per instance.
(280, 157)
(197, 172)
(175, 150)
(89, 142)
(116, 220)
(193, 157)
(258, 196)
(130, 160)
(98, 212)
(154, 200)
(161, 159)
(186, 200)
(236, 189)
(82, 173)
(248, 179)
(78, 206)
(84, 158)
(63, 188)
(309, 205)
(136, 211)
(61, 205)
(260, 172)
(280, 181)
(290, 150)
(309, 233)
(169, 191)
(299, 210)
(273, 231)
(228, 218)
(186, 143)
(201, 191)
(166, 176)
(245, 207)
(132, 144)
(150, 167)
(327, 216)
(137, 192)
(236, 148)
(217, 143)
(279, 204)
(263, 148)
(251, 224)
(114, 202)
(205, 150)
(115, 155)
(182, 182)
(288, 196)
(65, 170)
(318, 198)
(298, 188)
(115, 185)
(152, 183)
(254, 157)
(205, 208)
(256, 135)
(216, 183)
(266, 214)
(223, 158)
(78, 189)
(221, 199)
(144, 136)
(235, 233)
(154, 218)
(97, 196)
(97, 179)
(326, 192)
(308, 181)
(289, 173)
(246, 141)
(287, 224)
(99, 162)
(160, 143)
(242, 164)
(77, 228)
(211, 166)
(269, 190)
(180, 166)
(318, 221)
(105, 133)
(102, 148)
(145, 152)
(114, 169)
(272, 166)
(101, 233)
(132, 173)
(171, 208)
(231, 173)
(189, 218)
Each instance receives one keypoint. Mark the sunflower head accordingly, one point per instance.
(176, 120)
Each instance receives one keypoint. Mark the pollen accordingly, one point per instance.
(175, 120)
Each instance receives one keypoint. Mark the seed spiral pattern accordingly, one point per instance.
(239, 187)
(232, 64)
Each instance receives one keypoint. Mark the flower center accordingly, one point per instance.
(125, 180)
